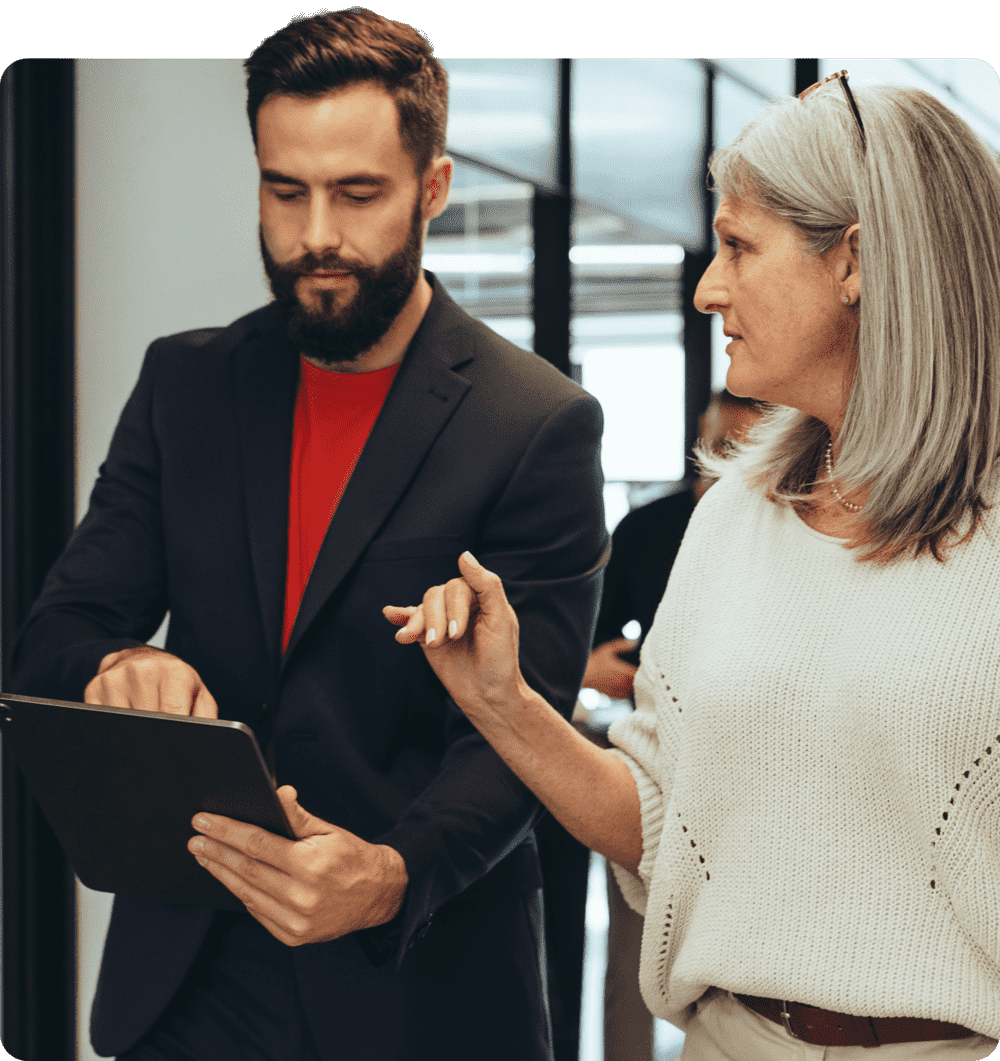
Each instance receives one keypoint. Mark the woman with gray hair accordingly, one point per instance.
(806, 802)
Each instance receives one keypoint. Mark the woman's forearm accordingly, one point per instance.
(469, 634)
(591, 792)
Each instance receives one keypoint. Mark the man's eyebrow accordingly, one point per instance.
(272, 176)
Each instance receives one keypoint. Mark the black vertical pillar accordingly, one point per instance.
(806, 74)
(37, 249)
(551, 218)
(698, 326)
(564, 860)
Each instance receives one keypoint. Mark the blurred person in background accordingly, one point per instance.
(644, 546)
(803, 804)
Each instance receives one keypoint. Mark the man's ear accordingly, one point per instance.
(436, 183)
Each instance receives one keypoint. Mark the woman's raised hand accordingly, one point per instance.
(469, 635)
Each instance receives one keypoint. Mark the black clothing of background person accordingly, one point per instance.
(480, 446)
(646, 542)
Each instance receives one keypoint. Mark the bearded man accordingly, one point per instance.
(274, 484)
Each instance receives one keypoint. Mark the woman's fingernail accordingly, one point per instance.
(430, 635)
(202, 823)
(471, 559)
(452, 628)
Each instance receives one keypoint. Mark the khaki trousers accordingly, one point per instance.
(723, 1029)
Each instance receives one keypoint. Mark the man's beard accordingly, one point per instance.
(337, 330)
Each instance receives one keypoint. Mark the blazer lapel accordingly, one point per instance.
(266, 379)
(423, 398)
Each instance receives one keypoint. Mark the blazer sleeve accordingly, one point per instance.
(108, 589)
(547, 540)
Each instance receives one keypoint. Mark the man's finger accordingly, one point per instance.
(250, 840)
(258, 886)
(205, 705)
(110, 691)
(95, 692)
(175, 695)
(302, 822)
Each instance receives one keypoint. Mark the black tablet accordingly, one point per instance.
(120, 788)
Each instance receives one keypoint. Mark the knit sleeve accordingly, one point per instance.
(638, 743)
(648, 739)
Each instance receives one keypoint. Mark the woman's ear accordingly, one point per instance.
(850, 244)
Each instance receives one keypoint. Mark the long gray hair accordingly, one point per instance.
(922, 424)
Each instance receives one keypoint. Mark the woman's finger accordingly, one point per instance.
(486, 584)
(435, 617)
(414, 628)
(460, 602)
(396, 615)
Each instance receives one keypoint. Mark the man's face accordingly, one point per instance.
(341, 218)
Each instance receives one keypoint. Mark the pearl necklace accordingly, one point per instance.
(833, 485)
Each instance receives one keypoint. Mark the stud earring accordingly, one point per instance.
(847, 298)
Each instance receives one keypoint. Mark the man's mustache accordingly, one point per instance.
(309, 263)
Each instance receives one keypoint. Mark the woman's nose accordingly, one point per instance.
(710, 295)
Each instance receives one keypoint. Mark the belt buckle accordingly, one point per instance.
(786, 1019)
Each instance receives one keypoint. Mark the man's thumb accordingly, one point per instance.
(302, 822)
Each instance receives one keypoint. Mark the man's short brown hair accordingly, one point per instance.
(318, 54)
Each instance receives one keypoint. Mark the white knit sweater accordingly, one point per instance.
(815, 745)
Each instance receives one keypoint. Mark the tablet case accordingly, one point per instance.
(120, 787)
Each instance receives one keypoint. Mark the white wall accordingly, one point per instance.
(166, 241)
(166, 222)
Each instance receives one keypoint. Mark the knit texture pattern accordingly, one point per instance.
(816, 745)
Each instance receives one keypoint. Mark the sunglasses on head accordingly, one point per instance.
(841, 78)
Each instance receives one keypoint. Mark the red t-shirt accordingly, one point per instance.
(334, 415)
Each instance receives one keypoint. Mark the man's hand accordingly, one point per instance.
(149, 679)
(323, 885)
(607, 672)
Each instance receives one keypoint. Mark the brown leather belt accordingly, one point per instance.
(821, 1027)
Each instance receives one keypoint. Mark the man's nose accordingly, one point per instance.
(322, 232)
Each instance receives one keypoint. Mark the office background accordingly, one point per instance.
(578, 225)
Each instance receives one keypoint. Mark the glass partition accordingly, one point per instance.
(504, 111)
(637, 133)
(772, 77)
(481, 250)
(970, 87)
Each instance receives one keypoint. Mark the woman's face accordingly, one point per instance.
(792, 333)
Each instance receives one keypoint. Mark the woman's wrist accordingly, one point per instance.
(503, 714)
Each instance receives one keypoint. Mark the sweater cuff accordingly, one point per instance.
(635, 886)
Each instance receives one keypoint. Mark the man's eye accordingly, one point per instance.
(287, 197)
(359, 198)
(734, 244)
